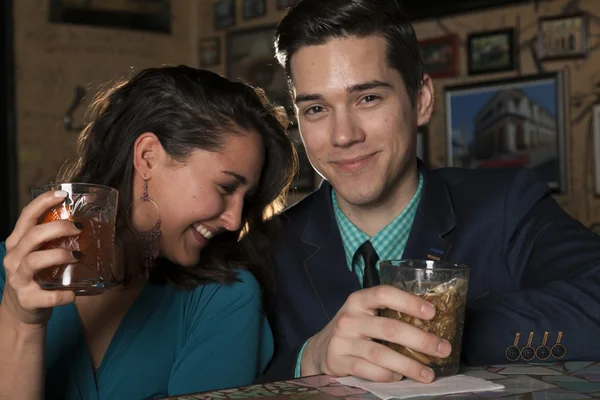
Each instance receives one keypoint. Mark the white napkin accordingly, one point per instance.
(407, 388)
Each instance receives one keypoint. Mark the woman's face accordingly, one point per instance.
(201, 197)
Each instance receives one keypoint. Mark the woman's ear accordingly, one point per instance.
(147, 154)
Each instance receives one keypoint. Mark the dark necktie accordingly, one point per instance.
(371, 276)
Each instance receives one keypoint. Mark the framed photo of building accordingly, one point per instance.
(251, 58)
(563, 37)
(440, 56)
(224, 14)
(149, 15)
(508, 124)
(254, 8)
(492, 51)
(596, 125)
(209, 52)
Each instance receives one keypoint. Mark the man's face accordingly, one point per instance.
(356, 120)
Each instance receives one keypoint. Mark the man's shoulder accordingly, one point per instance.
(300, 210)
(488, 180)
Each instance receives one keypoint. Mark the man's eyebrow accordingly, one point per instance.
(301, 97)
(360, 87)
(239, 177)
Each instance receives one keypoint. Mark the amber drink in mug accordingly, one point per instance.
(95, 207)
(445, 286)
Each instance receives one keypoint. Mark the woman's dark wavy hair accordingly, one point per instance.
(315, 22)
(187, 109)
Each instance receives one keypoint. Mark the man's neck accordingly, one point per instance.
(374, 217)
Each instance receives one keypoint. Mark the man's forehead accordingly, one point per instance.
(339, 64)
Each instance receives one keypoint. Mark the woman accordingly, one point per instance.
(214, 157)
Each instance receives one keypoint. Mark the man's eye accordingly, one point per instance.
(314, 110)
(370, 98)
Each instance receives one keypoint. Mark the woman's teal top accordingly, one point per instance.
(169, 342)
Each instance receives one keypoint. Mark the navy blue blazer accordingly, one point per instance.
(535, 271)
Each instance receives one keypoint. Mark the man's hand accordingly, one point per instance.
(346, 346)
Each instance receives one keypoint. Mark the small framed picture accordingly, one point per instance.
(596, 116)
(492, 51)
(563, 37)
(283, 4)
(224, 14)
(209, 52)
(254, 8)
(440, 56)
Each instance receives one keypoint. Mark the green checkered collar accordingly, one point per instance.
(388, 242)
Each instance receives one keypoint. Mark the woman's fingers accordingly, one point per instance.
(39, 260)
(34, 238)
(33, 298)
(31, 213)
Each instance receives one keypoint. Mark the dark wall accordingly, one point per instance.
(426, 9)
(8, 152)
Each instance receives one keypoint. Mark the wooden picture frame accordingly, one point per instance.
(563, 37)
(254, 9)
(209, 52)
(440, 56)
(491, 51)
(596, 147)
(251, 58)
(223, 14)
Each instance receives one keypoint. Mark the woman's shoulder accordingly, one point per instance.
(245, 291)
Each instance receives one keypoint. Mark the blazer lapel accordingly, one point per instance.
(434, 219)
(325, 265)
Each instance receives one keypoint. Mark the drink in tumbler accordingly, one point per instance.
(95, 207)
(445, 286)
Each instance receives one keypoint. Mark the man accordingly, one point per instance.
(360, 93)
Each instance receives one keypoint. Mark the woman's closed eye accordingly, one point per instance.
(228, 189)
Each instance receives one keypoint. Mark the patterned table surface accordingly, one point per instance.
(549, 381)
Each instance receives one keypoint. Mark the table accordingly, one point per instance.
(548, 381)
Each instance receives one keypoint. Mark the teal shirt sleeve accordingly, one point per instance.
(298, 370)
(228, 342)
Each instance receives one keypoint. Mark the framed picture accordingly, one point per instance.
(423, 144)
(149, 15)
(440, 56)
(209, 52)
(596, 124)
(563, 37)
(305, 181)
(251, 57)
(508, 123)
(254, 8)
(492, 51)
(283, 4)
(224, 14)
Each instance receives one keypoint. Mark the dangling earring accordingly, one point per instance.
(149, 239)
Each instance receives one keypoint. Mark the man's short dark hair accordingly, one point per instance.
(314, 22)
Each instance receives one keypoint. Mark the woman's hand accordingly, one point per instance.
(23, 298)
